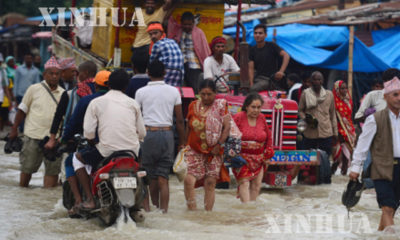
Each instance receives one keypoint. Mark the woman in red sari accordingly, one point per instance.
(208, 124)
(347, 134)
(256, 147)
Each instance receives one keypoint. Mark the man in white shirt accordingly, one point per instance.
(373, 102)
(36, 110)
(293, 82)
(117, 120)
(159, 102)
(381, 136)
(374, 99)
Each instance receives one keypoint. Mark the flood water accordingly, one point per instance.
(298, 212)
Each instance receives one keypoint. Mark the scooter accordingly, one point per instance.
(118, 188)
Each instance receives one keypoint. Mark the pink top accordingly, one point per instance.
(259, 133)
(200, 44)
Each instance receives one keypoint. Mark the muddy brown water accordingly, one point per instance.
(298, 212)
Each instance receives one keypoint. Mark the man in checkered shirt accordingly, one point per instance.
(168, 52)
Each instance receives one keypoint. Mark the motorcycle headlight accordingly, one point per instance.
(104, 176)
(301, 126)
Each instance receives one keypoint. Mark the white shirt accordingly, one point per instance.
(212, 69)
(158, 100)
(294, 87)
(118, 121)
(373, 99)
(366, 137)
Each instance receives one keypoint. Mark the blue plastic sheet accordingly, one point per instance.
(316, 36)
(389, 50)
(381, 35)
(305, 54)
(364, 60)
(304, 42)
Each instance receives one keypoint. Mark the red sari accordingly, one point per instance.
(344, 110)
(205, 128)
(256, 147)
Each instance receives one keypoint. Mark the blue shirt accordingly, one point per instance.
(25, 77)
(75, 123)
(168, 52)
(136, 82)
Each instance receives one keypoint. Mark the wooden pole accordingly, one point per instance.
(350, 69)
(239, 14)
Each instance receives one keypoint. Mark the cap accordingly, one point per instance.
(101, 78)
(52, 63)
(66, 63)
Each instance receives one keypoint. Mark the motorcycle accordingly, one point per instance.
(118, 187)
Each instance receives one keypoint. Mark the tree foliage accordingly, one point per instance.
(30, 8)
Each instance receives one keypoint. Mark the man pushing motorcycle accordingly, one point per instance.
(117, 121)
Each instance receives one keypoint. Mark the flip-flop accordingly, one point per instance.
(82, 207)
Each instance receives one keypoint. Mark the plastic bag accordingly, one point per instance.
(11, 115)
(180, 166)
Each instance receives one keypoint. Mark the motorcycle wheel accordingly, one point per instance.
(68, 197)
(109, 215)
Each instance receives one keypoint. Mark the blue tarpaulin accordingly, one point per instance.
(363, 59)
(380, 35)
(304, 42)
(316, 36)
(389, 50)
(305, 54)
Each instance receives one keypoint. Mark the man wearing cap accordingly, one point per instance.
(381, 135)
(117, 121)
(75, 125)
(37, 108)
(25, 76)
(219, 65)
(168, 52)
(140, 47)
(68, 73)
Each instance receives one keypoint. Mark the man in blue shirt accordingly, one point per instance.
(25, 76)
(140, 79)
(74, 126)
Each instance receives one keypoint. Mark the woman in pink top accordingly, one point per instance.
(256, 147)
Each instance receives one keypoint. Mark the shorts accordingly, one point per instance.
(69, 168)
(388, 192)
(91, 156)
(31, 157)
(199, 166)
(4, 113)
(158, 153)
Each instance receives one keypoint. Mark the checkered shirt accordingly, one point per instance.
(167, 51)
(187, 48)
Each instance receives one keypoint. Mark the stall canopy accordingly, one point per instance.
(305, 43)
